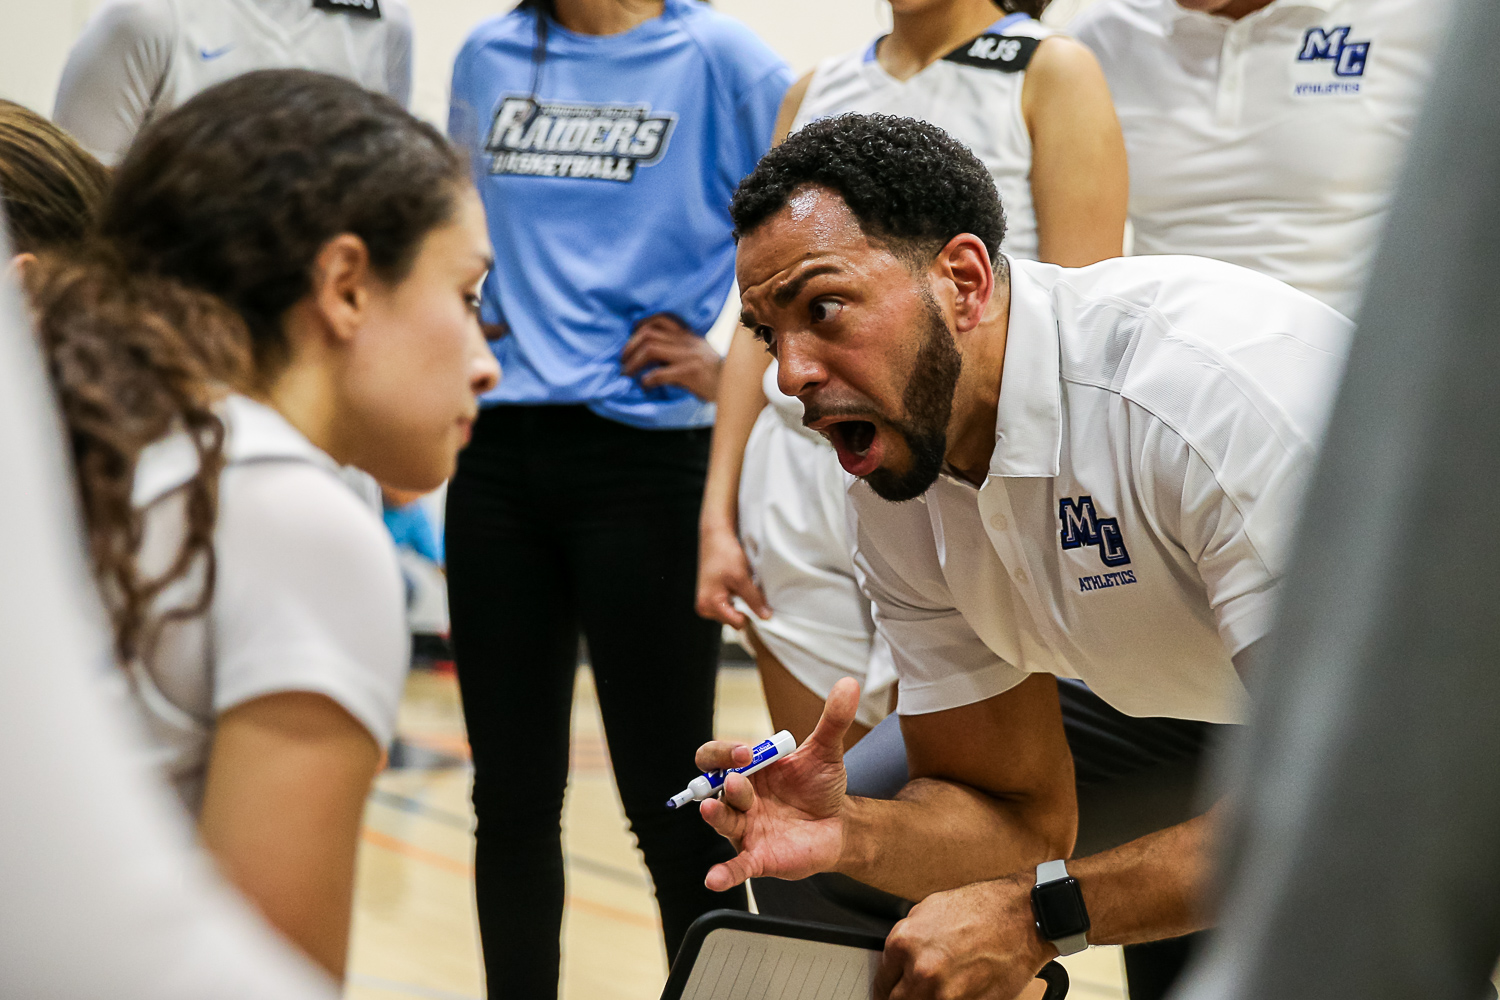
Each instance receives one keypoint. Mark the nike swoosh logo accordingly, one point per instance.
(216, 53)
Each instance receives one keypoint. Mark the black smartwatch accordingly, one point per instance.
(1057, 902)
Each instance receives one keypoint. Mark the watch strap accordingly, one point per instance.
(1054, 871)
(1072, 944)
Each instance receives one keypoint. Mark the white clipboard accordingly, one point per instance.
(732, 955)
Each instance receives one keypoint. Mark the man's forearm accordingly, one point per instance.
(1151, 888)
(939, 835)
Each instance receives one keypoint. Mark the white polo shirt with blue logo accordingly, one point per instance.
(1272, 141)
(1157, 423)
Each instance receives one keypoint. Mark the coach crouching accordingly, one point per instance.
(1085, 474)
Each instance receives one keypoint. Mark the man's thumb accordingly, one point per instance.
(838, 715)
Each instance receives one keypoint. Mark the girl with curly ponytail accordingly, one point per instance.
(283, 281)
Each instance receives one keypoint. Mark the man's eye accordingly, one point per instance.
(765, 335)
(823, 310)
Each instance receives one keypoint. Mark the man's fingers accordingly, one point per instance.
(838, 714)
(730, 874)
(719, 755)
(892, 961)
(738, 792)
(726, 822)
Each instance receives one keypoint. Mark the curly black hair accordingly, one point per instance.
(911, 185)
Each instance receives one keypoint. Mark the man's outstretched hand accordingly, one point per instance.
(787, 820)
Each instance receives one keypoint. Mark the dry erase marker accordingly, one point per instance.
(712, 783)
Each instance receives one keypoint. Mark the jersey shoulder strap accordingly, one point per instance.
(1002, 53)
(354, 8)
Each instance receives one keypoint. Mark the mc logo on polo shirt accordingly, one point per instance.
(1333, 45)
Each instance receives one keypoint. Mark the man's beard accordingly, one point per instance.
(928, 401)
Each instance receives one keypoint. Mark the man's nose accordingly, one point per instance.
(800, 369)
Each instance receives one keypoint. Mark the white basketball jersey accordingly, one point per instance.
(973, 93)
(222, 39)
(138, 59)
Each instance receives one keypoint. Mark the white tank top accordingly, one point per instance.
(973, 94)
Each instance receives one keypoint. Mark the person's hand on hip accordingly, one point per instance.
(724, 574)
(668, 353)
(785, 821)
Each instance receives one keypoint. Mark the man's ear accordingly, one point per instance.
(340, 285)
(966, 278)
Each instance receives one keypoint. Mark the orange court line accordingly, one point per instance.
(398, 846)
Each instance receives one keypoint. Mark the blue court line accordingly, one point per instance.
(410, 989)
(417, 807)
(458, 821)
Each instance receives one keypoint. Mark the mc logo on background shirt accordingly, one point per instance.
(575, 139)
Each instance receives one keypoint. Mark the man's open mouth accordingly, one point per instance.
(858, 445)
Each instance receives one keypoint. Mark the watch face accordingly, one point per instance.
(1059, 909)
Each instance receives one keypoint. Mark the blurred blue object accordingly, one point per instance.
(411, 528)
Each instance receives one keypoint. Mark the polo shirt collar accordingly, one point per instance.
(1028, 419)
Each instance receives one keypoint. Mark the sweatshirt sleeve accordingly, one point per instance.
(114, 74)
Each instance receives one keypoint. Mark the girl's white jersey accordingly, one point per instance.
(138, 59)
(973, 94)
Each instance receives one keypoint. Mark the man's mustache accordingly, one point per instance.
(813, 412)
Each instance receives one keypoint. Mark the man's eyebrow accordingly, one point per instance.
(786, 293)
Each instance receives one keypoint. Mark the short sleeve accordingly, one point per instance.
(463, 117)
(1236, 528)
(309, 595)
(113, 75)
(940, 661)
(755, 115)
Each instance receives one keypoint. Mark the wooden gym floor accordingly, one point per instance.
(414, 929)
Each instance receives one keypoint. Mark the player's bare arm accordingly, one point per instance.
(723, 570)
(1080, 183)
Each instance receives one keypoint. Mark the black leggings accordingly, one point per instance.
(560, 521)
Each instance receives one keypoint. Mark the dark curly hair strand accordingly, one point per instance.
(911, 185)
(133, 358)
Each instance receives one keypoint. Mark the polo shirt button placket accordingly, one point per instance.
(1230, 98)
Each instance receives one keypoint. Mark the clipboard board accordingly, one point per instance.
(733, 955)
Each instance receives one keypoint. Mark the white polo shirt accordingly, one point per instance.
(1158, 420)
(1273, 141)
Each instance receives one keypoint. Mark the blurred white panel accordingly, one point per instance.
(807, 32)
(35, 36)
